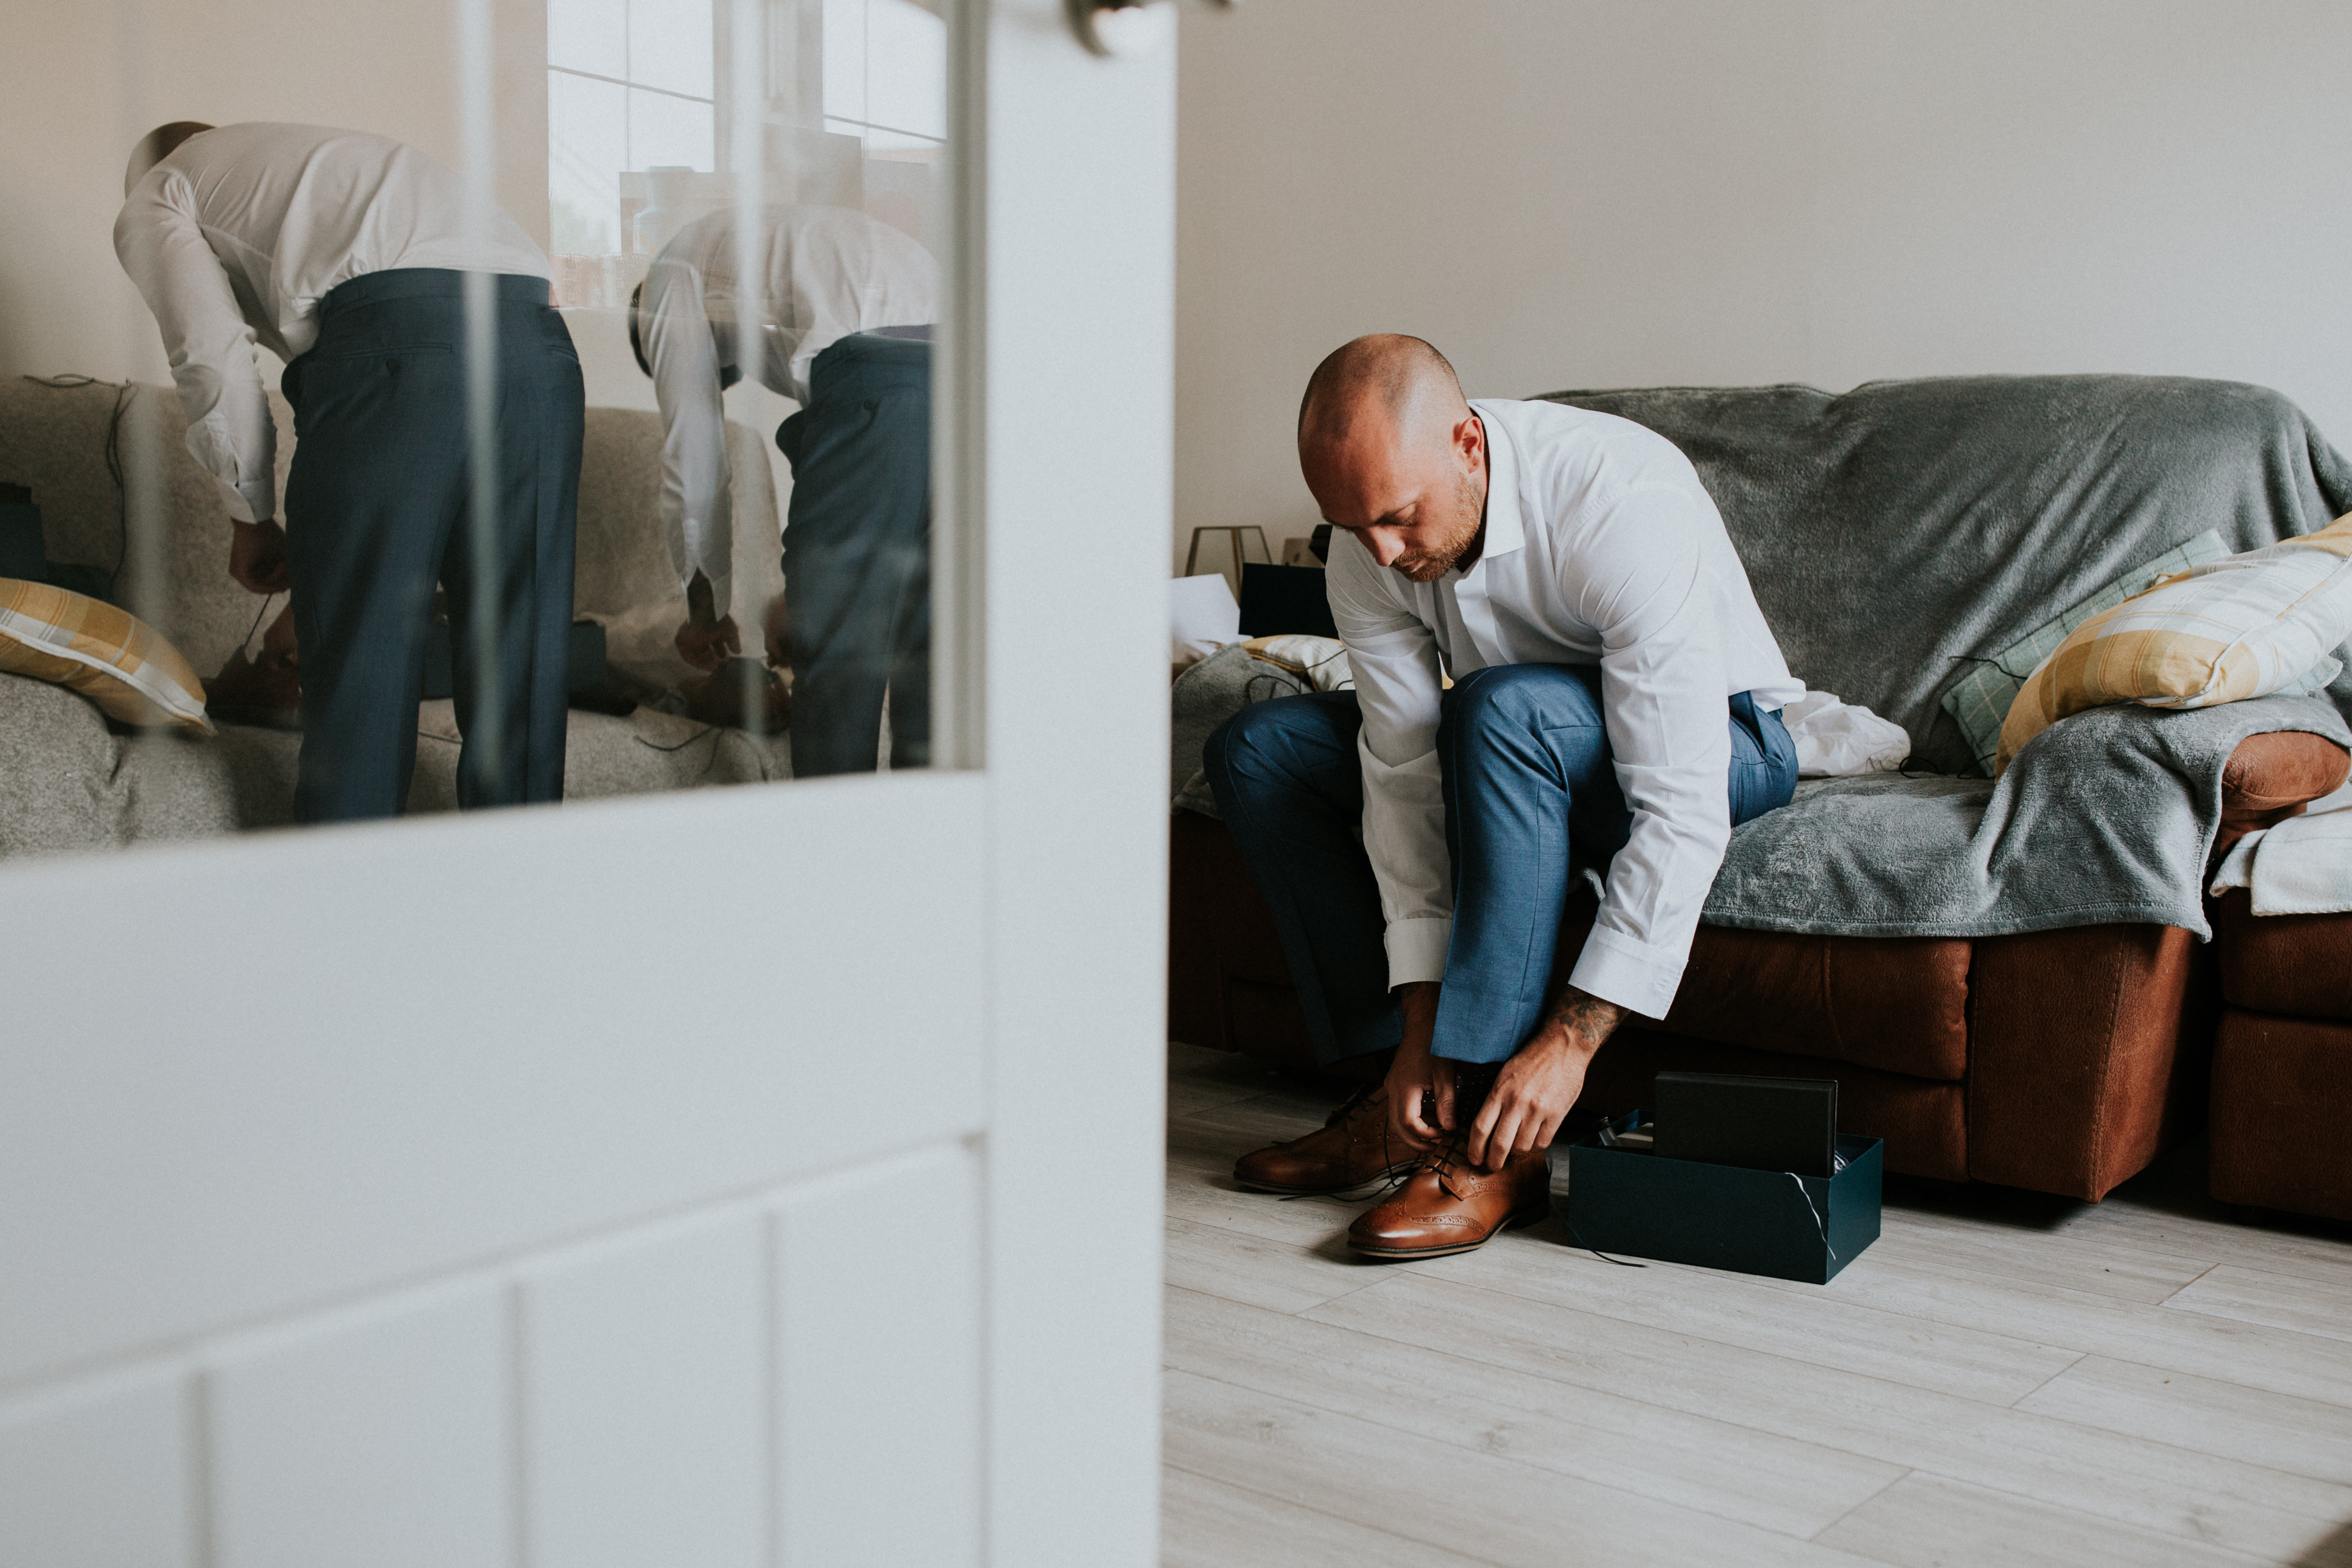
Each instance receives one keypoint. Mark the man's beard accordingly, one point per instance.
(1428, 565)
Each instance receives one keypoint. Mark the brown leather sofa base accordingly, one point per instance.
(2299, 966)
(1896, 1004)
(2088, 1054)
(2282, 1113)
(1925, 1123)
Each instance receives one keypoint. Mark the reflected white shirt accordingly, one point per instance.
(1601, 547)
(241, 232)
(819, 274)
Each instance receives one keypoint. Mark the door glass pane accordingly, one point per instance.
(590, 453)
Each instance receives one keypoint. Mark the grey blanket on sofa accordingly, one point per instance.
(1897, 531)
(2107, 816)
(1901, 529)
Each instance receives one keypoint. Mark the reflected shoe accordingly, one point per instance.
(1448, 1205)
(1352, 1153)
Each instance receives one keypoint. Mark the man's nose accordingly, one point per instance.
(1386, 546)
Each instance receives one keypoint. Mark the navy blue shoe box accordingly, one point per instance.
(1772, 1223)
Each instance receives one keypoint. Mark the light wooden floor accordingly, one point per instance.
(2000, 1379)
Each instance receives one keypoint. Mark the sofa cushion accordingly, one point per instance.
(1898, 1003)
(2260, 621)
(2297, 965)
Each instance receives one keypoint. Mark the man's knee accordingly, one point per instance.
(1520, 699)
(1281, 738)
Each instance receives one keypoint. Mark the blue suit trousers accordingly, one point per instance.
(1529, 788)
(857, 554)
(379, 507)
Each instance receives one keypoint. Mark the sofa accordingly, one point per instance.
(2063, 1060)
(109, 469)
(2282, 1084)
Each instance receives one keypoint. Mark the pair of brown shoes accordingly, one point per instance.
(1438, 1202)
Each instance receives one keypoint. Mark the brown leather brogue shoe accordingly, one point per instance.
(1353, 1152)
(1448, 1205)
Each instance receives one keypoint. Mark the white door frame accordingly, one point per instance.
(349, 1177)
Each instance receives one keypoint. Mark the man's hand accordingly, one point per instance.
(708, 637)
(1414, 1073)
(1536, 1089)
(256, 555)
(772, 629)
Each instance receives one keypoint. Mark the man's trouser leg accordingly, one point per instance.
(1525, 753)
(1288, 782)
(379, 507)
(857, 582)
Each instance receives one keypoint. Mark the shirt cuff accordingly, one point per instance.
(1637, 977)
(248, 503)
(723, 595)
(1417, 949)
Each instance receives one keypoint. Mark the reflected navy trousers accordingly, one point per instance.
(1525, 756)
(379, 507)
(857, 554)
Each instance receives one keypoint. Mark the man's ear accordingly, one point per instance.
(1470, 442)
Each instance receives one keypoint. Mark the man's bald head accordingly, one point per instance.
(1402, 380)
(157, 145)
(1394, 454)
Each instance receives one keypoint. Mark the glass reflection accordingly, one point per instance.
(444, 509)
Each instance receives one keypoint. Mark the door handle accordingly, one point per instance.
(1112, 27)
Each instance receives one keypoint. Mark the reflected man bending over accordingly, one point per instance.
(836, 313)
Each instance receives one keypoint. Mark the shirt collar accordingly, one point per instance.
(1506, 529)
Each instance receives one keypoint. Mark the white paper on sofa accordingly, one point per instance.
(1202, 617)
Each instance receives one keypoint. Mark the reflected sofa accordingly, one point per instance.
(109, 466)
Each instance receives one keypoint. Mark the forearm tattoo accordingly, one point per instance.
(1581, 1014)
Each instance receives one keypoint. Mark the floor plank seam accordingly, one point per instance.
(1327, 1514)
(1600, 1311)
(1862, 1503)
(1490, 1457)
(2053, 1377)
(2200, 1274)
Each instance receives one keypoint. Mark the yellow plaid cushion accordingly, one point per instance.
(2241, 627)
(110, 656)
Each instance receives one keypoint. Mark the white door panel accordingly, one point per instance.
(645, 1400)
(320, 1063)
(98, 1475)
(377, 1439)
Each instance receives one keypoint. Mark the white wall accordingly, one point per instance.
(80, 81)
(1592, 193)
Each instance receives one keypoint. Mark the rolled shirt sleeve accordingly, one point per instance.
(697, 481)
(163, 247)
(1393, 656)
(1639, 580)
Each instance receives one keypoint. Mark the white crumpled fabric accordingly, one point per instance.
(1838, 740)
(2302, 866)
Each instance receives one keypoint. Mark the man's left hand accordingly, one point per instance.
(1536, 1089)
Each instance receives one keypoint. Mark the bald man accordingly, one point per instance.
(1614, 703)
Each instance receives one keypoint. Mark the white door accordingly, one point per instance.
(761, 1175)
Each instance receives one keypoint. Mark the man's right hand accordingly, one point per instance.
(256, 555)
(1414, 1073)
(707, 638)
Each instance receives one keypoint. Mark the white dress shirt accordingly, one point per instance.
(822, 273)
(1601, 548)
(238, 234)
